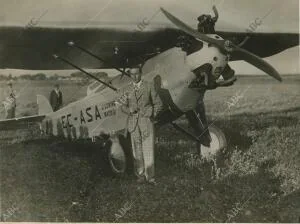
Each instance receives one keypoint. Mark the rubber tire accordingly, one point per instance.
(116, 148)
(217, 144)
(116, 157)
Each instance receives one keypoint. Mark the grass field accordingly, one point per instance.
(53, 180)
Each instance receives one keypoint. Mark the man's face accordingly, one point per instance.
(57, 87)
(136, 75)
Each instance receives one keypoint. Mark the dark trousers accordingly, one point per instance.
(10, 113)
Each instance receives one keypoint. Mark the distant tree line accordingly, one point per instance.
(38, 76)
(41, 76)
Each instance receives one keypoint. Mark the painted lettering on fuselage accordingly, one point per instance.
(110, 113)
(89, 114)
(108, 105)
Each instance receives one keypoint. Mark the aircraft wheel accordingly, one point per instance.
(217, 144)
(116, 156)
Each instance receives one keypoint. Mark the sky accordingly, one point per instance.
(235, 15)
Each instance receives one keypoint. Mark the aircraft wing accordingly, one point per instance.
(33, 48)
(19, 123)
(263, 44)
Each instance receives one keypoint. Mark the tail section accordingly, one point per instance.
(44, 106)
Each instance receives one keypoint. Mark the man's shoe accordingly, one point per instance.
(140, 180)
(152, 182)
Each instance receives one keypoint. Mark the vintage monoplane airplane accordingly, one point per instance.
(174, 59)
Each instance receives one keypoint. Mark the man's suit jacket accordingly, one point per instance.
(55, 100)
(10, 99)
(141, 105)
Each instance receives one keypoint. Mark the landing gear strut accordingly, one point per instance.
(210, 139)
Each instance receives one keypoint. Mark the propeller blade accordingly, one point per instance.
(189, 30)
(256, 61)
(226, 46)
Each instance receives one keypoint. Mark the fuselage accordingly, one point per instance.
(171, 72)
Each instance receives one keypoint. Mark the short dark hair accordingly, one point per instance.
(203, 18)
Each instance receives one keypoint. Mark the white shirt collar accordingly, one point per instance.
(137, 85)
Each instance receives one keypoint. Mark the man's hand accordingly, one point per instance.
(228, 82)
(135, 111)
(216, 13)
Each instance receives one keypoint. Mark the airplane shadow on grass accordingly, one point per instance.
(235, 126)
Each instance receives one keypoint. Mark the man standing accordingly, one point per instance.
(142, 105)
(56, 98)
(207, 23)
(10, 102)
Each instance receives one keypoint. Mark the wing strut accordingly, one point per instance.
(72, 44)
(85, 72)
